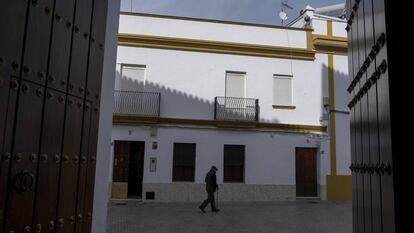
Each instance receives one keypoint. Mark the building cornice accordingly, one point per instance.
(334, 44)
(129, 119)
(214, 21)
(214, 46)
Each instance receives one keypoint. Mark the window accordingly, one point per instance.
(282, 89)
(134, 73)
(235, 84)
(184, 161)
(234, 163)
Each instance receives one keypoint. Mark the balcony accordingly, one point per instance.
(236, 109)
(146, 104)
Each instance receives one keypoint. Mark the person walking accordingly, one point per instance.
(211, 188)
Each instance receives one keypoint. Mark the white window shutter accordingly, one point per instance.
(235, 84)
(282, 90)
(133, 77)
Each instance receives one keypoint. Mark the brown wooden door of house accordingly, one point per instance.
(129, 165)
(122, 151)
(136, 169)
(378, 148)
(306, 173)
(51, 64)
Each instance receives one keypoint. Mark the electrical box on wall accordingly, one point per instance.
(153, 164)
(154, 145)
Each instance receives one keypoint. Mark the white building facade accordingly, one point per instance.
(266, 105)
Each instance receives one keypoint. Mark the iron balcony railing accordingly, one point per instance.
(235, 108)
(137, 103)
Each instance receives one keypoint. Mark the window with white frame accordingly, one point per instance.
(134, 74)
(282, 89)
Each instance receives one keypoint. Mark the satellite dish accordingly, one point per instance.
(283, 15)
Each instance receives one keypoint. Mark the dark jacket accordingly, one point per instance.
(211, 182)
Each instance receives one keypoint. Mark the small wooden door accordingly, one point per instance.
(121, 161)
(306, 173)
(136, 169)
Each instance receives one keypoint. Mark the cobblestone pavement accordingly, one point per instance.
(276, 217)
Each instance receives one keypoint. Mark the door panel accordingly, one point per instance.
(306, 182)
(61, 44)
(83, 166)
(45, 146)
(70, 165)
(96, 50)
(12, 44)
(91, 168)
(136, 169)
(370, 91)
(49, 161)
(8, 94)
(36, 51)
(122, 153)
(23, 177)
(80, 47)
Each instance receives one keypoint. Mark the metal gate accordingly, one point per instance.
(374, 40)
(51, 56)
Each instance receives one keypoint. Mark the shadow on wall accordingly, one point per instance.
(174, 103)
(178, 104)
(341, 80)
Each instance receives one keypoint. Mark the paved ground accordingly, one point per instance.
(280, 217)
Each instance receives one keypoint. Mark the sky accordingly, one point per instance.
(252, 11)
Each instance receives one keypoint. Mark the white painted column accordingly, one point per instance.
(101, 194)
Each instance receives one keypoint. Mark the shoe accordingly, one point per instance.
(202, 210)
(216, 210)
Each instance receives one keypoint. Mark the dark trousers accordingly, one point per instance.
(210, 199)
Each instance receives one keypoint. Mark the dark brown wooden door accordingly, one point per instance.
(122, 151)
(50, 78)
(375, 68)
(136, 169)
(306, 173)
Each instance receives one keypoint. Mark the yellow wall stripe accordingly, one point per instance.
(214, 46)
(130, 119)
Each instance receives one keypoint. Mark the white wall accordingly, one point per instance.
(319, 26)
(101, 193)
(189, 81)
(343, 141)
(269, 156)
(338, 29)
(212, 31)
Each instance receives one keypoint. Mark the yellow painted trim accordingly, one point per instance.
(130, 119)
(335, 44)
(276, 106)
(309, 40)
(332, 129)
(213, 21)
(214, 46)
(339, 187)
(329, 28)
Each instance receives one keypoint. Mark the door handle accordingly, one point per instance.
(23, 181)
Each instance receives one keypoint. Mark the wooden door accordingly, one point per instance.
(375, 68)
(52, 53)
(122, 152)
(306, 173)
(136, 169)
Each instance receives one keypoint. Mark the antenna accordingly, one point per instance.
(283, 7)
